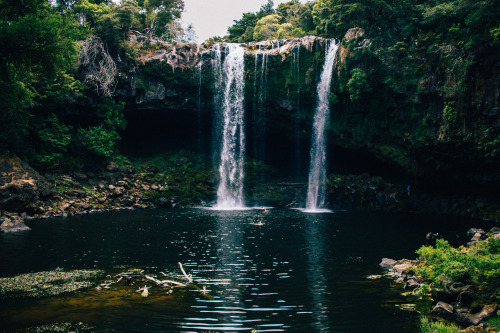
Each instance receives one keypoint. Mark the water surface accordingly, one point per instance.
(274, 271)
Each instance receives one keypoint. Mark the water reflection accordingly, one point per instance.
(315, 234)
(273, 271)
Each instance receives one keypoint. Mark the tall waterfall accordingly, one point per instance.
(317, 168)
(230, 191)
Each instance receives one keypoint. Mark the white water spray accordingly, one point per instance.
(317, 169)
(230, 191)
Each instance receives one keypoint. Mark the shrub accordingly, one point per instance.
(478, 265)
(427, 326)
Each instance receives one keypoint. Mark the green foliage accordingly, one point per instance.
(490, 143)
(37, 59)
(102, 138)
(478, 265)
(290, 19)
(357, 84)
(428, 326)
(450, 114)
(267, 28)
(494, 323)
(55, 138)
(186, 175)
(98, 140)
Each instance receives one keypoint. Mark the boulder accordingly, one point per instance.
(113, 167)
(431, 238)
(443, 309)
(118, 191)
(411, 284)
(20, 185)
(13, 224)
(486, 312)
(475, 234)
(387, 263)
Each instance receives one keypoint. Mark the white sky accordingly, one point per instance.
(212, 17)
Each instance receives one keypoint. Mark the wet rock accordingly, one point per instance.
(79, 193)
(118, 192)
(411, 284)
(127, 201)
(20, 185)
(474, 234)
(494, 230)
(113, 167)
(486, 312)
(402, 266)
(13, 224)
(65, 205)
(387, 263)
(431, 238)
(443, 309)
(123, 183)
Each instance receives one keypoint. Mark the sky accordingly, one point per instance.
(212, 17)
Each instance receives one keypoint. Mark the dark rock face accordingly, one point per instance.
(20, 185)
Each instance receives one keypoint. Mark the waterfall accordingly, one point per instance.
(296, 76)
(260, 106)
(230, 191)
(217, 74)
(317, 168)
(198, 114)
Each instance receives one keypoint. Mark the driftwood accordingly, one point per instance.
(162, 283)
(188, 277)
(138, 277)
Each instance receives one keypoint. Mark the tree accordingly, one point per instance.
(267, 28)
(240, 27)
(37, 62)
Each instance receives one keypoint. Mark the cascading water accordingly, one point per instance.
(260, 106)
(198, 115)
(317, 169)
(217, 74)
(230, 191)
(296, 76)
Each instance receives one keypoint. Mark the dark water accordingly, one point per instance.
(295, 273)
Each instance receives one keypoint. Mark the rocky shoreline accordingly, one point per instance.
(26, 195)
(460, 303)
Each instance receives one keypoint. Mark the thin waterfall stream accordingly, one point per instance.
(317, 169)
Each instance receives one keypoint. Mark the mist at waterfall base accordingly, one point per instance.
(294, 273)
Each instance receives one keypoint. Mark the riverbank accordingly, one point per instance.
(462, 282)
(172, 181)
(182, 179)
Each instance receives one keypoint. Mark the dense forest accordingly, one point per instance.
(417, 79)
